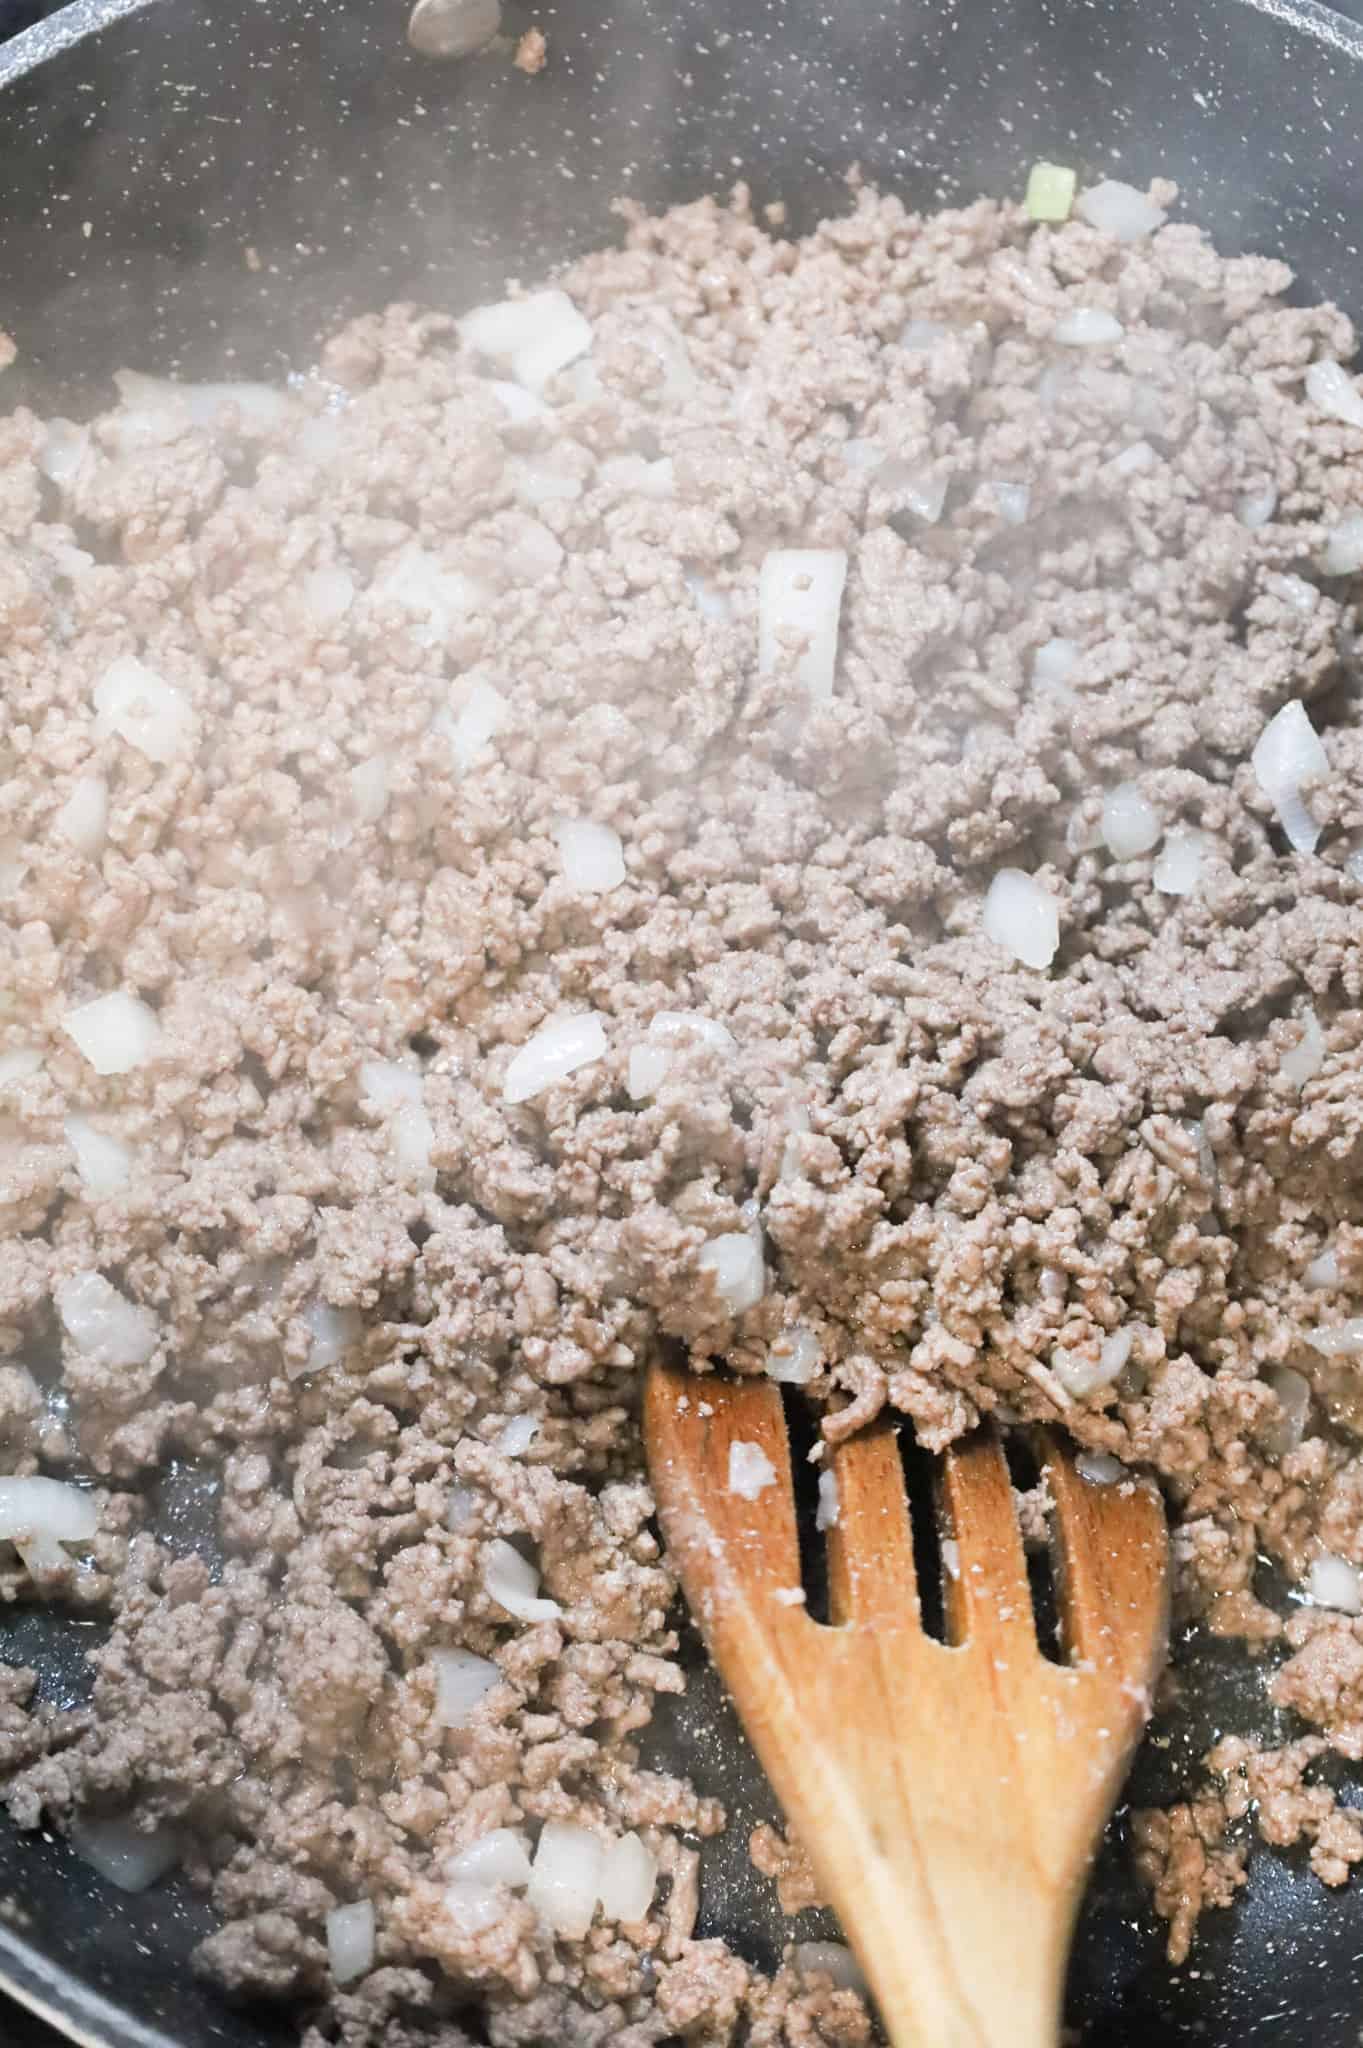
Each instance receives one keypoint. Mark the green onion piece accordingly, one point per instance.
(1050, 192)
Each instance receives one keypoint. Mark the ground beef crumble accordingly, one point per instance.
(412, 623)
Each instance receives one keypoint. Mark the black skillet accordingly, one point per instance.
(142, 152)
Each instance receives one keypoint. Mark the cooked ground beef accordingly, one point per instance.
(397, 625)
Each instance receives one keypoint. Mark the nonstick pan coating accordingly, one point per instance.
(145, 151)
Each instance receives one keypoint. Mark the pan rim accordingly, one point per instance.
(79, 19)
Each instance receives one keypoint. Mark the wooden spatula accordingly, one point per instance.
(949, 1795)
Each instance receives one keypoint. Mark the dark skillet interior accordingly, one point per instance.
(359, 172)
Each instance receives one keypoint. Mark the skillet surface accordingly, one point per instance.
(361, 172)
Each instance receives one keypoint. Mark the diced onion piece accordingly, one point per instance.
(332, 1332)
(461, 1681)
(1342, 554)
(593, 858)
(922, 494)
(123, 1853)
(921, 336)
(1131, 824)
(711, 602)
(522, 407)
(544, 483)
(1012, 502)
(1054, 663)
(1332, 1582)
(629, 1876)
(103, 1163)
(1178, 870)
(104, 1324)
(498, 1857)
(144, 710)
(1022, 918)
(1255, 508)
(517, 1436)
(461, 1506)
(1100, 1468)
(553, 1052)
(328, 594)
(63, 451)
(1323, 1270)
(794, 1356)
(1303, 1061)
(636, 473)
(1339, 1340)
(83, 819)
(750, 1470)
(46, 1508)
(646, 1071)
(565, 1880)
(536, 336)
(831, 1959)
(1293, 1390)
(1119, 210)
(1087, 327)
(675, 1027)
(369, 789)
(259, 408)
(1050, 191)
(115, 1033)
(826, 1514)
(1131, 461)
(1330, 387)
(799, 595)
(19, 1063)
(530, 551)
(1081, 1376)
(350, 1941)
(1288, 753)
(473, 1907)
(735, 1261)
(1296, 591)
(396, 1093)
(513, 1582)
(418, 582)
(482, 713)
(859, 453)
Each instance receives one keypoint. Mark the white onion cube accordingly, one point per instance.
(593, 858)
(734, 1259)
(461, 1681)
(498, 1857)
(104, 1324)
(513, 1582)
(1131, 825)
(350, 1941)
(1119, 210)
(46, 1508)
(1022, 917)
(751, 1471)
(1087, 327)
(553, 1052)
(1288, 753)
(144, 710)
(83, 819)
(115, 1033)
(125, 1855)
(799, 596)
(566, 1878)
(536, 336)
(1330, 387)
(1182, 858)
(103, 1163)
(1332, 1582)
(629, 1876)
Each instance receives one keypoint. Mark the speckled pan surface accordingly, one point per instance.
(147, 148)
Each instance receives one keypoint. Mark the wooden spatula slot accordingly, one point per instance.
(949, 1795)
